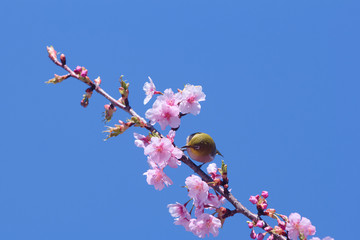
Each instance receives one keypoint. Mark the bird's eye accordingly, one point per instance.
(196, 147)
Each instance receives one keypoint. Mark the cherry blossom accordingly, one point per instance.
(214, 201)
(157, 178)
(169, 98)
(141, 140)
(191, 96)
(198, 189)
(164, 114)
(149, 88)
(181, 215)
(159, 150)
(299, 226)
(171, 135)
(204, 225)
(213, 171)
(176, 154)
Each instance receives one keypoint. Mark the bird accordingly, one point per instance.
(201, 147)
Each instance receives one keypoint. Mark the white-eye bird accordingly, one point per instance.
(201, 147)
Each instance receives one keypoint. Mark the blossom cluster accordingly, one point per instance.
(203, 224)
(293, 227)
(160, 153)
(168, 106)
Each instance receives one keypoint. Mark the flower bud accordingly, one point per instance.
(217, 182)
(282, 224)
(78, 70)
(285, 218)
(270, 212)
(268, 228)
(84, 102)
(63, 59)
(263, 205)
(250, 224)
(84, 72)
(109, 111)
(253, 234)
(253, 199)
(260, 236)
(52, 53)
(265, 194)
(97, 81)
(260, 224)
(271, 237)
(278, 230)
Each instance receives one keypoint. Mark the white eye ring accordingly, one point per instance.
(196, 147)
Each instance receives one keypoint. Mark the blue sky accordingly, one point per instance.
(282, 102)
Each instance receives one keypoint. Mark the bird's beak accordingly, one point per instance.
(184, 148)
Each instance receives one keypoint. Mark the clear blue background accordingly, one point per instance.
(282, 85)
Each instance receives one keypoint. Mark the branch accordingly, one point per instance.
(239, 208)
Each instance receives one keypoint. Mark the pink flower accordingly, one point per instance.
(141, 140)
(176, 154)
(157, 178)
(191, 96)
(306, 228)
(198, 189)
(298, 225)
(199, 208)
(213, 200)
(149, 88)
(213, 171)
(250, 224)
(171, 135)
(169, 98)
(159, 150)
(181, 215)
(178, 210)
(204, 225)
(164, 115)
